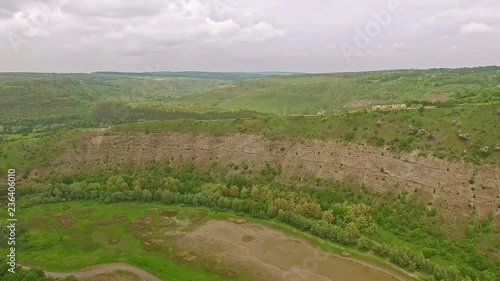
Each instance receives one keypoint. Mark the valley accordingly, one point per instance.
(390, 175)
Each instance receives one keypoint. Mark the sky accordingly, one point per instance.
(247, 35)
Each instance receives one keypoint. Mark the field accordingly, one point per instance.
(79, 235)
(151, 236)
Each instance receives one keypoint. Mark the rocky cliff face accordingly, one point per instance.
(446, 184)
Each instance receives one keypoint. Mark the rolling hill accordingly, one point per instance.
(306, 94)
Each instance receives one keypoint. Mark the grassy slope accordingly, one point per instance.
(304, 94)
(228, 76)
(67, 98)
(480, 122)
(35, 96)
(23, 153)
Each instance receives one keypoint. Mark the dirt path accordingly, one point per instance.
(90, 272)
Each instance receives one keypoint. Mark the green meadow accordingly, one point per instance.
(71, 236)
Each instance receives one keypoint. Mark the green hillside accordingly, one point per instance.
(229, 76)
(306, 94)
(37, 102)
(34, 102)
(465, 132)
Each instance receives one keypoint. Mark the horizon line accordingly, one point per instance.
(242, 72)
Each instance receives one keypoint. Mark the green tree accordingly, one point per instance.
(116, 183)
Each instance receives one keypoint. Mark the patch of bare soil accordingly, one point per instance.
(169, 213)
(64, 219)
(271, 255)
(359, 103)
(120, 218)
(143, 220)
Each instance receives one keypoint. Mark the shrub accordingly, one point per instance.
(349, 136)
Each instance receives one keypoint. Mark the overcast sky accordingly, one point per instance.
(247, 35)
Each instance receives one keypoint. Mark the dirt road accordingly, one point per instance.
(90, 272)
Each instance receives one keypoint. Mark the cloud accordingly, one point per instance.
(9, 7)
(398, 45)
(463, 15)
(191, 21)
(475, 28)
(261, 32)
(129, 28)
(243, 35)
(114, 8)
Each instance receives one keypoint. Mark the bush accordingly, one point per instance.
(349, 136)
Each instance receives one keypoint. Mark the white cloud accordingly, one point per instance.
(398, 45)
(177, 23)
(261, 32)
(482, 11)
(474, 28)
(247, 34)
(226, 27)
(113, 8)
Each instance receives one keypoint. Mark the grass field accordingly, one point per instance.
(71, 236)
(75, 235)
